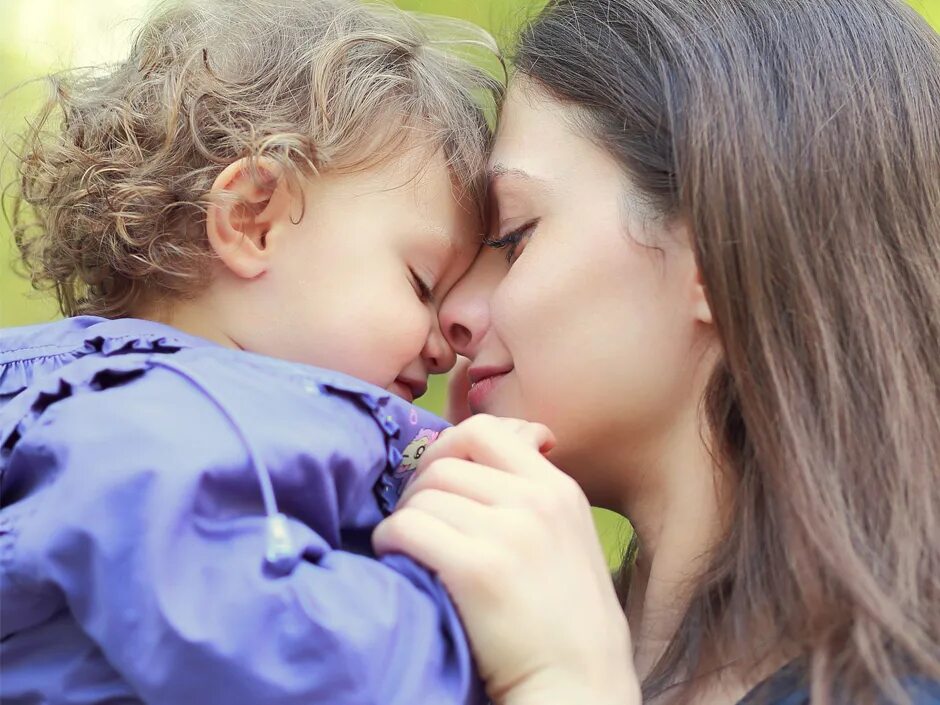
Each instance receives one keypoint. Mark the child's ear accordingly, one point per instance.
(249, 199)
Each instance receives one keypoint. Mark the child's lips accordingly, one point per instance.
(401, 390)
(409, 389)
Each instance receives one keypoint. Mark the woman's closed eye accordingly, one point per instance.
(513, 241)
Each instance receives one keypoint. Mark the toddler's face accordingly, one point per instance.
(355, 285)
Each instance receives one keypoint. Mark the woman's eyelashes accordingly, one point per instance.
(513, 241)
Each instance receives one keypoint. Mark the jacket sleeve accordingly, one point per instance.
(146, 515)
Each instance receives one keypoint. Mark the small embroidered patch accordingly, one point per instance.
(411, 456)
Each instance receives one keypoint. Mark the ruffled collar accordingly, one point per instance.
(33, 351)
(28, 355)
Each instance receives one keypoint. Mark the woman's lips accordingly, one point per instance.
(482, 383)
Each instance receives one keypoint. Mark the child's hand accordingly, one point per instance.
(513, 540)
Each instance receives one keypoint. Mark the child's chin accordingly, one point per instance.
(401, 390)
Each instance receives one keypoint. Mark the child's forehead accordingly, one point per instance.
(420, 188)
(416, 165)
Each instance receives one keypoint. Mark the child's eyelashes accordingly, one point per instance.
(422, 288)
(512, 240)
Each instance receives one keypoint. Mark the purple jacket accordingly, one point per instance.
(182, 523)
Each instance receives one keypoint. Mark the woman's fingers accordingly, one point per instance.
(458, 387)
(426, 538)
(480, 483)
(510, 445)
(514, 552)
(495, 461)
(463, 514)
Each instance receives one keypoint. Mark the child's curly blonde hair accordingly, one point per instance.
(115, 171)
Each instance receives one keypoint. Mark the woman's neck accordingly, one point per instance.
(679, 514)
(679, 518)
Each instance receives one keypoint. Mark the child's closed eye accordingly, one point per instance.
(422, 288)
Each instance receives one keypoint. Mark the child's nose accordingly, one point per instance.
(439, 356)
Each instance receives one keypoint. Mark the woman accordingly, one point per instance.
(715, 276)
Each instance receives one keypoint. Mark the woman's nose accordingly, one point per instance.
(458, 324)
(465, 312)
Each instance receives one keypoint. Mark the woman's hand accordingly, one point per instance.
(512, 539)
(458, 386)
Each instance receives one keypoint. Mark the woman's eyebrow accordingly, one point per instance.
(500, 171)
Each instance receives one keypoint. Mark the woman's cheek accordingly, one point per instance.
(511, 313)
(526, 315)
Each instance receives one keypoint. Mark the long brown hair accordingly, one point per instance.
(800, 142)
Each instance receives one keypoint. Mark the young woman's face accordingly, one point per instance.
(593, 322)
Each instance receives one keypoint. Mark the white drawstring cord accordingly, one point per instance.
(279, 551)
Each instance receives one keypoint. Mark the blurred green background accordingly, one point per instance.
(39, 36)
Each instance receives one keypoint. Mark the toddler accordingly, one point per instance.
(249, 223)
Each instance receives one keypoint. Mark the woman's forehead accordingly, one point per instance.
(538, 140)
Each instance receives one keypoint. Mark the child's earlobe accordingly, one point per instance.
(247, 200)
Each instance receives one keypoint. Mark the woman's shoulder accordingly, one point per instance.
(790, 686)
